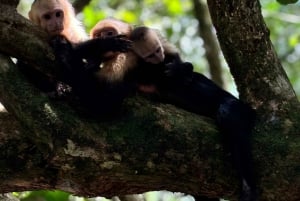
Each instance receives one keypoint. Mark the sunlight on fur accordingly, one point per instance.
(2, 109)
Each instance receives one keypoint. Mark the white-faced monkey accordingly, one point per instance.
(95, 68)
(57, 17)
(176, 82)
(115, 65)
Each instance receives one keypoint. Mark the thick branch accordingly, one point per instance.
(141, 144)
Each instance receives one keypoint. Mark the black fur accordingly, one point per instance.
(79, 65)
(176, 83)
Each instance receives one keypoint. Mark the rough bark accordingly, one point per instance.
(245, 42)
(58, 148)
(261, 80)
(148, 146)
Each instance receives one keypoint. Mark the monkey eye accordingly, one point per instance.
(110, 33)
(107, 33)
(47, 17)
(153, 54)
(58, 14)
(158, 50)
(97, 35)
(150, 56)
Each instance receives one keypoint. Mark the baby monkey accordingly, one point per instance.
(160, 64)
(163, 72)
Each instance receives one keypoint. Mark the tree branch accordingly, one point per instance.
(142, 144)
(93, 157)
(149, 146)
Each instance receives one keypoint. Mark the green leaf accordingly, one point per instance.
(47, 196)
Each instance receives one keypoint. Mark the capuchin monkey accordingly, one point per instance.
(176, 83)
(57, 17)
(155, 54)
(110, 27)
(115, 65)
(96, 68)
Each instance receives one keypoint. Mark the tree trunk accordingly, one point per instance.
(261, 80)
(148, 146)
(245, 42)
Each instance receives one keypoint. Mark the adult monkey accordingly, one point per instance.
(56, 17)
(115, 65)
(176, 82)
(96, 68)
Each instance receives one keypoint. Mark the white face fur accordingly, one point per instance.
(150, 49)
(48, 14)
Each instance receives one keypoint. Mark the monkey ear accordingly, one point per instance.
(34, 17)
(30, 15)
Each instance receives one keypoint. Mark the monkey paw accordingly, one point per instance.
(60, 43)
(119, 43)
(179, 69)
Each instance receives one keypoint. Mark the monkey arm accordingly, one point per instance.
(177, 70)
(97, 96)
(99, 46)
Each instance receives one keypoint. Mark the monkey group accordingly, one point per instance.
(120, 59)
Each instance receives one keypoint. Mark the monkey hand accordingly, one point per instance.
(119, 43)
(60, 44)
(179, 71)
(63, 49)
(65, 56)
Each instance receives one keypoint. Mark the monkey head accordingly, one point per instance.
(110, 27)
(49, 15)
(148, 45)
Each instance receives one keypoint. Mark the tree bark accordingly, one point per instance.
(261, 80)
(245, 42)
(148, 146)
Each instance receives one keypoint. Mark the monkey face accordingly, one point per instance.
(105, 32)
(155, 57)
(150, 49)
(110, 27)
(53, 21)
